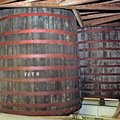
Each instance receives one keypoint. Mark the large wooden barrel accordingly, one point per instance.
(99, 49)
(38, 62)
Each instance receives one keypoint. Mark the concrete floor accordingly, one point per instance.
(4, 116)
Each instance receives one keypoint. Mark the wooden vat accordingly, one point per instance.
(38, 62)
(99, 49)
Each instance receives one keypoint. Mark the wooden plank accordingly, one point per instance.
(17, 4)
(75, 2)
(101, 20)
(113, 1)
(31, 0)
(50, 3)
(98, 15)
(77, 15)
(47, 3)
(96, 7)
(59, 1)
(87, 13)
(32, 3)
(6, 1)
(91, 99)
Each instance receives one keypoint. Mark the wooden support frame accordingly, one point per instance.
(76, 13)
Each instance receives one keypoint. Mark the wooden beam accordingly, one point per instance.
(17, 4)
(77, 15)
(101, 20)
(49, 3)
(98, 15)
(59, 1)
(96, 7)
(31, 0)
(75, 2)
(6, 1)
(108, 2)
(87, 13)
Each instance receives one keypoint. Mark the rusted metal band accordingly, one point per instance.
(99, 30)
(22, 56)
(29, 68)
(40, 105)
(101, 89)
(100, 82)
(94, 49)
(38, 31)
(41, 93)
(37, 14)
(20, 42)
(109, 58)
(101, 74)
(30, 80)
(97, 41)
(50, 112)
(98, 66)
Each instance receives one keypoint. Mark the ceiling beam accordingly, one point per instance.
(6, 1)
(17, 4)
(97, 7)
(98, 15)
(101, 20)
(56, 4)
(49, 3)
(59, 1)
(87, 13)
(75, 2)
(31, 0)
(113, 1)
